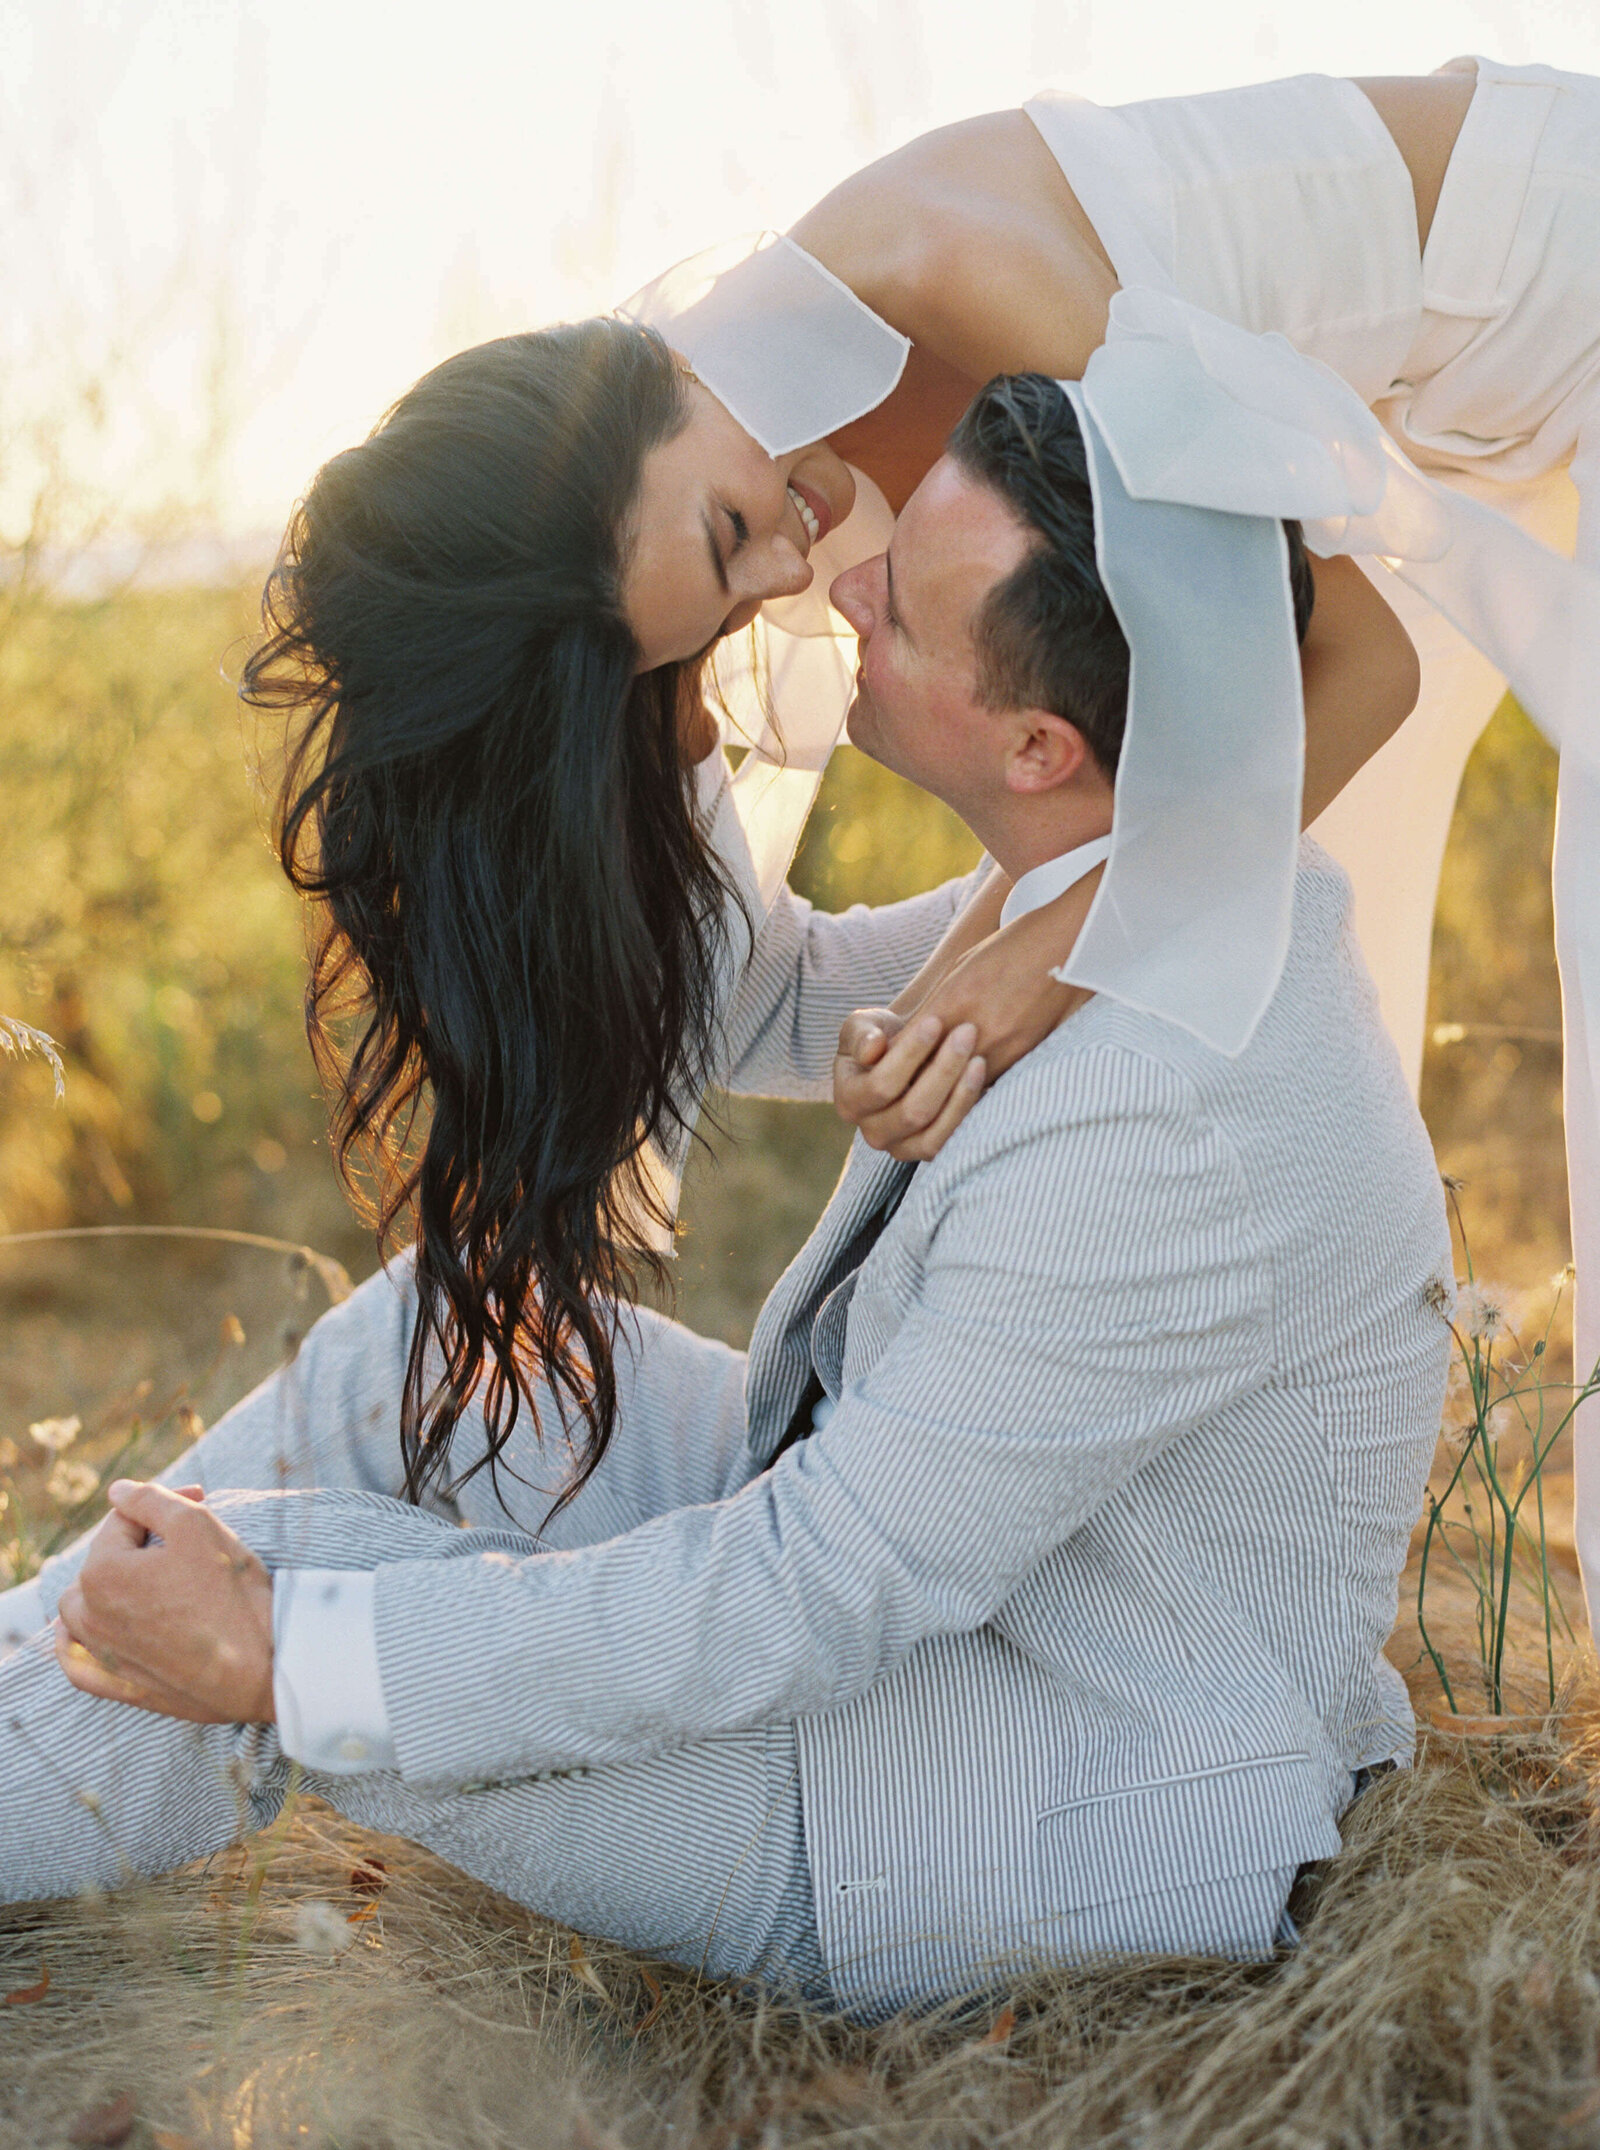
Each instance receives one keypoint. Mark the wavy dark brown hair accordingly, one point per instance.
(517, 927)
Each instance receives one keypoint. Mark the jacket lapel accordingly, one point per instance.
(780, 1348)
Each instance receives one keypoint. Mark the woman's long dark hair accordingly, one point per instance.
(518, 926)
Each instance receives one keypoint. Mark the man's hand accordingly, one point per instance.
(171, 1612)
(906, 1091)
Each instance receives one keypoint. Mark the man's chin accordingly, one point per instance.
(858, 726)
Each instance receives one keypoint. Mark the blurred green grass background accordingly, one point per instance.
(144, 923)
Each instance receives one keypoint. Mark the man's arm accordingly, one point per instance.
(1093, 1290)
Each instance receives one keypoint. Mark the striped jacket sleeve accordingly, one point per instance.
(810, 968)
(1091, 1287)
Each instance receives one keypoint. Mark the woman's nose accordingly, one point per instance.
(788, 571)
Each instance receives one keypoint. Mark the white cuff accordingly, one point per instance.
(326, 1686)
(22, 1615)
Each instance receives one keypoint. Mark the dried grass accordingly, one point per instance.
(1447, 1993)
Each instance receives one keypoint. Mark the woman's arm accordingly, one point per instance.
(891, 1080)
(970, 241)
(1361, 679)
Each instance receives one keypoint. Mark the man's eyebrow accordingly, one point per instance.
(715, 551)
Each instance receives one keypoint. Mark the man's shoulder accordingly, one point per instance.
(1110, 1060)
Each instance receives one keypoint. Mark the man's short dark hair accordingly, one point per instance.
(1046, 637)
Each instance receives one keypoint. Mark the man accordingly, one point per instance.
(1060, 1632)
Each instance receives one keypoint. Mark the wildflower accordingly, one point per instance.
(69, 1483)
(232, 1330)
(321, 1930)
(10, 1454)
(1482, 1316)
(55, 1434)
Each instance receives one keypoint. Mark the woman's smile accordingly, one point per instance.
(720, 528)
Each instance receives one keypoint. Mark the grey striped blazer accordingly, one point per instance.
(1078, 1600)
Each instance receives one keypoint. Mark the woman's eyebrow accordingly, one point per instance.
(715, 551)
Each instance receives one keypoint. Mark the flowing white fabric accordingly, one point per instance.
(1191, 920)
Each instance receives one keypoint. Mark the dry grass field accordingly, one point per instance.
(1448, 1992)
(319, 1988)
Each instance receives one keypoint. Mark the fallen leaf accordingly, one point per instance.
(104, 2126)
(25, 1994)
(1001, 2028)
(367, 1911)
(369, 1877)
(584, 1968)
(658, 2000)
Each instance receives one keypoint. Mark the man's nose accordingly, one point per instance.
(849, 594)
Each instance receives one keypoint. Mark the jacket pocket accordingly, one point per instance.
(1181, 1832)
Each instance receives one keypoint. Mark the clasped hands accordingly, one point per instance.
(171, 1612)
(906, 1076)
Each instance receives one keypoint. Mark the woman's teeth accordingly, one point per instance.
(813, 527)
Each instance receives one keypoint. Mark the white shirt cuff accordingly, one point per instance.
(22, 1615)
(326, 1686)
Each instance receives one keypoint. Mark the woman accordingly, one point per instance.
(495, 616)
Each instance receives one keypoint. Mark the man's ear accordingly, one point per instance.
(1045, 751)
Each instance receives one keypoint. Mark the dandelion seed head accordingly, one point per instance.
(70, 1483)
(55, 1434)
(1481, 1311)
(321, 1930)
(1439, 1294)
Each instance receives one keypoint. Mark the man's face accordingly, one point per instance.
(916, 706)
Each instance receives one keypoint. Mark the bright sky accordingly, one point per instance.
(260, 219)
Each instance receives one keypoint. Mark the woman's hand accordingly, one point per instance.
(904, 1089)
(171, 1612)
(907, 1077)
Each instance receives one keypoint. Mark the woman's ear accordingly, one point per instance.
(1045, 752)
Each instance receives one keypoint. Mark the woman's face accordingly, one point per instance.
(720, 526)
